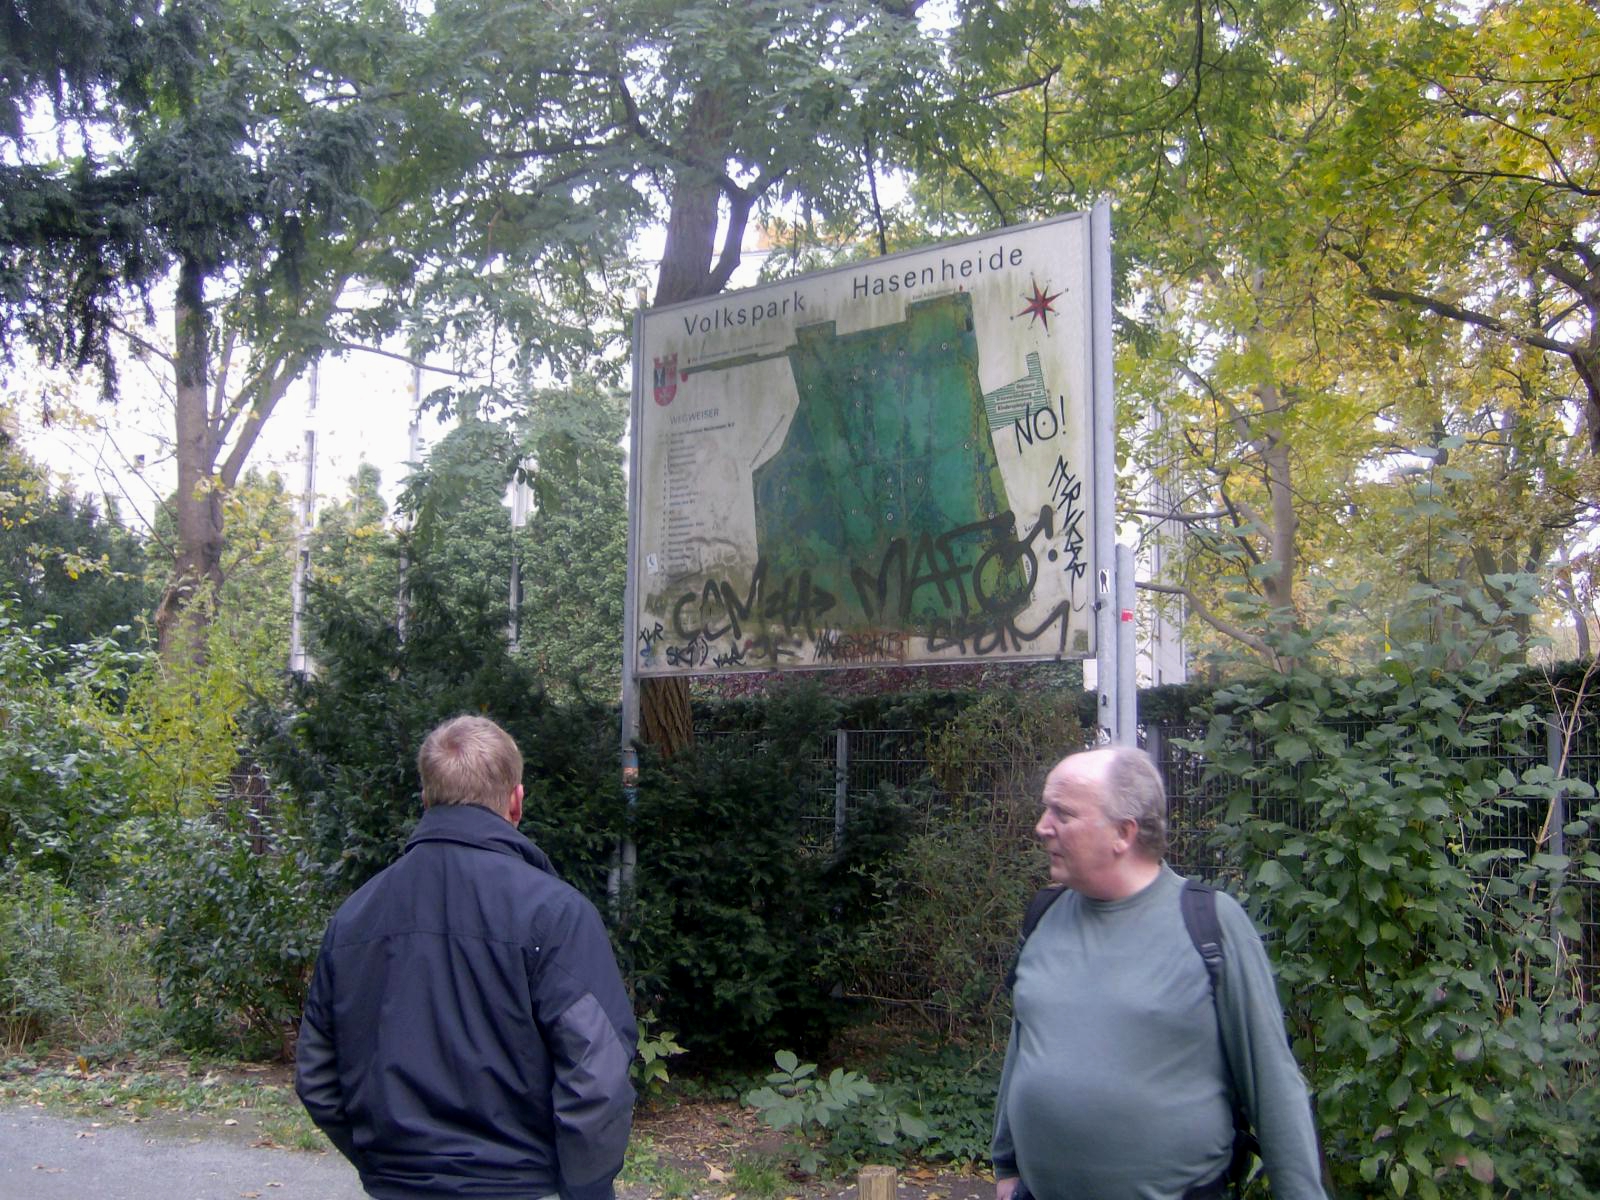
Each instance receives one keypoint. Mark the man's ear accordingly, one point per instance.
(514, 809)
(1127, 834)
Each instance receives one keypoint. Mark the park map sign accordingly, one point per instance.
(885, 463)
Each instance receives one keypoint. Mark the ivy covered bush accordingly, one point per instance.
(1424, 954)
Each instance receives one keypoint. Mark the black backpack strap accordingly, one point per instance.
(1042, 899)
(1198, 902)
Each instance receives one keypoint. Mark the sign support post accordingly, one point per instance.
(1127, 729)
(1103, 407)
(619, 880)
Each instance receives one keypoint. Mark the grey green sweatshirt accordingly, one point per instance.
(1114, 1085)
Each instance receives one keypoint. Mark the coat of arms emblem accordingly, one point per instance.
(666, 379)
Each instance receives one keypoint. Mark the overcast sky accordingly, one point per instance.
(363, 412)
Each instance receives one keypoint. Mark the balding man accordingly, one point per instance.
(1117, 1085)
(467, 1032)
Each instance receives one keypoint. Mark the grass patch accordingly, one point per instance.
(272, 1109)
(759, 1177)
(293, 1129)
(643, 1165)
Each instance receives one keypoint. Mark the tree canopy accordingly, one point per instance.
(72, 568)
(1342, 233)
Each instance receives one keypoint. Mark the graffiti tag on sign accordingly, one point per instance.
(880, 464)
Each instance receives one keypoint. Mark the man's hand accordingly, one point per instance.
(1004, 1189)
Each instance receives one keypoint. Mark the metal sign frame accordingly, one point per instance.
(1103, 583)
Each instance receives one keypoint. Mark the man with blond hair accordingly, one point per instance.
(467, 1032)
(1130, 1052)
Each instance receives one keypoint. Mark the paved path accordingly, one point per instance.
(46, 1157)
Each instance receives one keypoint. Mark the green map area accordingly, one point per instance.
(888, 467)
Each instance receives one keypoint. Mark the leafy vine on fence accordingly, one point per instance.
(1424, 951)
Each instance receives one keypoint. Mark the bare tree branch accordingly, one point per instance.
(144, 346)
(1182, 518)
(1198, 607)
(1470, 316)
(219, 385)
(872, 184)
(404, 358)
(268, 391)
(1027, 85)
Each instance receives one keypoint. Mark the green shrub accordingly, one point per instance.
(649, 1069)
(63, 786)
(945, 928)
(796, 1097)
(943, 936)
(1418, 942)
(953, 1091)
(237, 910)
(726, 937)
(742, 911)
(179, 731)
(347, 753)
(65, 972)
(925, 1105)
(933, 1105)
(39, 946)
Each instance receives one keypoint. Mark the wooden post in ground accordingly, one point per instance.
(876, 1183)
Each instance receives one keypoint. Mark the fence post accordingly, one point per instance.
(841, 783)
(1558, 802)
(877, 1183)
(1154, 747)
(1558, 837)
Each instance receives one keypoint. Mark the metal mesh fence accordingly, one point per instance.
(1577, 754)
(844, 766)
(1515, 830)
(816, 782)
(1190, 802)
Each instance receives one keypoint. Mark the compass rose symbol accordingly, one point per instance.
(1039, 305)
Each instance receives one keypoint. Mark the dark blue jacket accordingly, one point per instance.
(467, 1032)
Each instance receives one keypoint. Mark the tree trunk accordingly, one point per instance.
(1283, 519)
(665, 719)
(1285, 529)
(187, 603)
(1566, 588)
